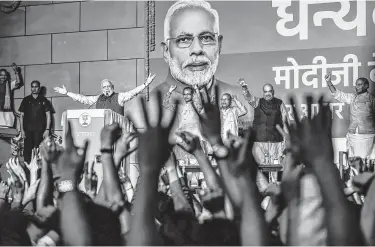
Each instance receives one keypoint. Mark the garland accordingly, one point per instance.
(149, 38)
(9, 6)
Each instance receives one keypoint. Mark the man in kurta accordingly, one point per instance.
(108, 99)
(268, 112)
(231, 110)
(361, 132)
(187, 117)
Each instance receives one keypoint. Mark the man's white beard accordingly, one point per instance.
(191, 78)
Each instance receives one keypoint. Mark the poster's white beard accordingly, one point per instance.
(200, 78)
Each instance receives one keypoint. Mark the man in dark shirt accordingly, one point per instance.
(35, 112)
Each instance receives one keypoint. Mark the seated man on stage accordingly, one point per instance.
(6, 101)
(108, 99)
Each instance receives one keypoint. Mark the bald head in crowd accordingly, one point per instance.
(226, 101)
(268, 92)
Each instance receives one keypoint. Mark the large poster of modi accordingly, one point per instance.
(292, 45)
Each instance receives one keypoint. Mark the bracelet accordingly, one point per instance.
(106, 150)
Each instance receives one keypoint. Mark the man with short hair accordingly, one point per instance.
(108, 99)
(231, 110)
(361, 133)
(187, 117)
(36, 117)
(268, 112)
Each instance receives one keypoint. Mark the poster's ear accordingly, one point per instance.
(220, 40)
(165, 50)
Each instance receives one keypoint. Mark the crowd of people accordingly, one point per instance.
(52, 195)
(56, 198)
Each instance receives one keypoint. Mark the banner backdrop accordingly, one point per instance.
(292, 45)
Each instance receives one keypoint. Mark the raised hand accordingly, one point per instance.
(15, 166)
(311, 138)
(91, 180)
(172, 88)
(210, 119)
(71, 162)
(154, 148)
(15, 67)
(240, 158)
(109, 135)
(4, 190)
(17, 185)
(49, 150)
(30, 192)
(290, 186)
(242, 82)
(150, 79)
(190, 143)
(34, 165)
(328, 77)
(61, 90)
(123, 148)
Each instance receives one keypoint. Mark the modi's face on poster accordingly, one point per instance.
(192, 49)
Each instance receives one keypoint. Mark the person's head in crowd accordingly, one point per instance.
(104, 223)
(165, 206)
(107, 87)
(192, 41)
(226, 101)
(4, 75)
(13, 229)
(268, 92)
(188, 94)
(221, 232)
(361, 85)
(178, 228)
(35, 87)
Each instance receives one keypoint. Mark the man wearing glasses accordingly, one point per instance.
(108, 99)
(191, 48)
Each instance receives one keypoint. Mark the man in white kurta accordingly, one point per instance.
(187, 118)
(361, 132)
(231, 110)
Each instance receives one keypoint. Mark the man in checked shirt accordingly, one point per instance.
(361, 132)
(108, 99)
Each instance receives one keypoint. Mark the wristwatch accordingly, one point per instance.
(64, 186)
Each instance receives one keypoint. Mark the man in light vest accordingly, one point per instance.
(108, 99)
